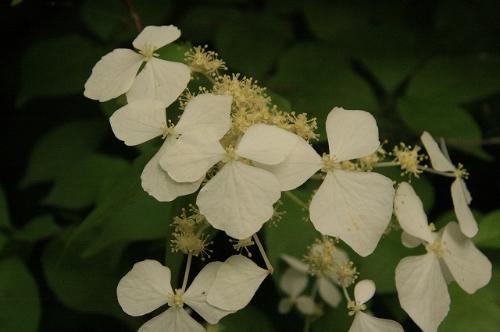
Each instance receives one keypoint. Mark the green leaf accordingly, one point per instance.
(280, 102)
(252, 43)
(78, 186)
(446, 120)
(19, 299)
(489, 231)
(3, 242)
(174, 52)
(316, 78)
(56, 67)
(333, 319)
(248, 319)
(61, 148)
(476, 312)
(4, 211)
(200, 23)
(39, 228)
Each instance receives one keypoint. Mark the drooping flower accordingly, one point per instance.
(354, 206)
(143, 120)
(363, 322)
(459, 193)
(116, 72)
(239, 198)
(421, 281)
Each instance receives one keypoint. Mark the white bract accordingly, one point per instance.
(363, 322)
(421, 281)
(239, 198)
(116, 72)
(459, 192)
(143, 120)
(353, 206)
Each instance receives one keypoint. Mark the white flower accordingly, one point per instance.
(293, 283)
(239, 198)
(421, 281)
(143, 120)
(459, 193)
(363, 292)
(115, 74)
(218, 290)
(354, 206)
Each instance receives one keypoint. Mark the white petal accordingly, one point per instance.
(156, 37)
(367, 323)
(461, 198)
(192, 156)
(175, 320)
(236, 282)
(364, 291)
(470, 268)
(295, 263)
(206, 111)
(160, 80)
(354, 206)
(239, 199)
(293, 282)
(285, 305)
(138, 121)
(144, 288)
(196, 294)
(157, 183)
(266, 144)
(113, 75)
(351, 134)
(305, 305)
(329, 292)
(410, 213)
(422, 290)
(410, 241)
(438, 160)
(302, 162)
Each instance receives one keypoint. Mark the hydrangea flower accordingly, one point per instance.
(143, 120)
(459, 192)
(421, 281)
(116, 72)
(363, 322)
(239, 198)
(293, 283)
(354, 206)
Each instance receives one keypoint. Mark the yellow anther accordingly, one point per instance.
(329, 163)
(355, 307)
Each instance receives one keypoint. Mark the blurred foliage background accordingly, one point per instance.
(73, 217)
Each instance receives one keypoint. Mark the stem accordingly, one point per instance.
(186, 272)
(346, 294)
(134, 15)
(296, 199)
(263, 254)
(308, 321)
(433, 171)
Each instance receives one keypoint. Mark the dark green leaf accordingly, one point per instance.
(333, 319)
(489, 231)
(248, 319)
(4, 211)
(39, 228)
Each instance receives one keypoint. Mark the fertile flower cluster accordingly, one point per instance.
(239, 152)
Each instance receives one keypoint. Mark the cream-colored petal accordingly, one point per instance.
(410, 241)
(329, 292)
(175, 320)
(293, 282)
(156, 37)
(367, 323)
(113, 75)
(351, 134)
(295, 263)
(438, 159)
(354, 206)
(305, 305)
(364, 291)
(144, 288)
(461, 199)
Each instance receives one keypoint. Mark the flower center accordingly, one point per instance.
(436, 248)
(168, 129)
(329, 163)
(354, 307)
(461, 172)
(230, 154)
(177, 299)
(149, 52)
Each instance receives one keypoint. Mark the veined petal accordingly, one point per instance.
(174, 319)
(354, 206)
(192, 156)
(410, 241)
(469, 267)
(329, 292)
(410, 213)
(422, 290)
(295, 263)
(157, 183)
(461, 199)
(144, 86)
(156, 37)
(351, 134)
(196, 294)
(438, 159)
(266, 144)
(144, 288)
(293, 282)
(367, 323)
(113, 75)
(364, 291)
(302, 162)
(239, 199)
(206, 111)
(139, 121)
(236, 282)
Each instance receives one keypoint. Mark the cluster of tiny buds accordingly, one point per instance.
(201, 60)
(368, 163)
(346, 274)
(409, 159)
(244, 244)
(320, 257)
(187, 236)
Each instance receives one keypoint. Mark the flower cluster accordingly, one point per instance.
(238, 152)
